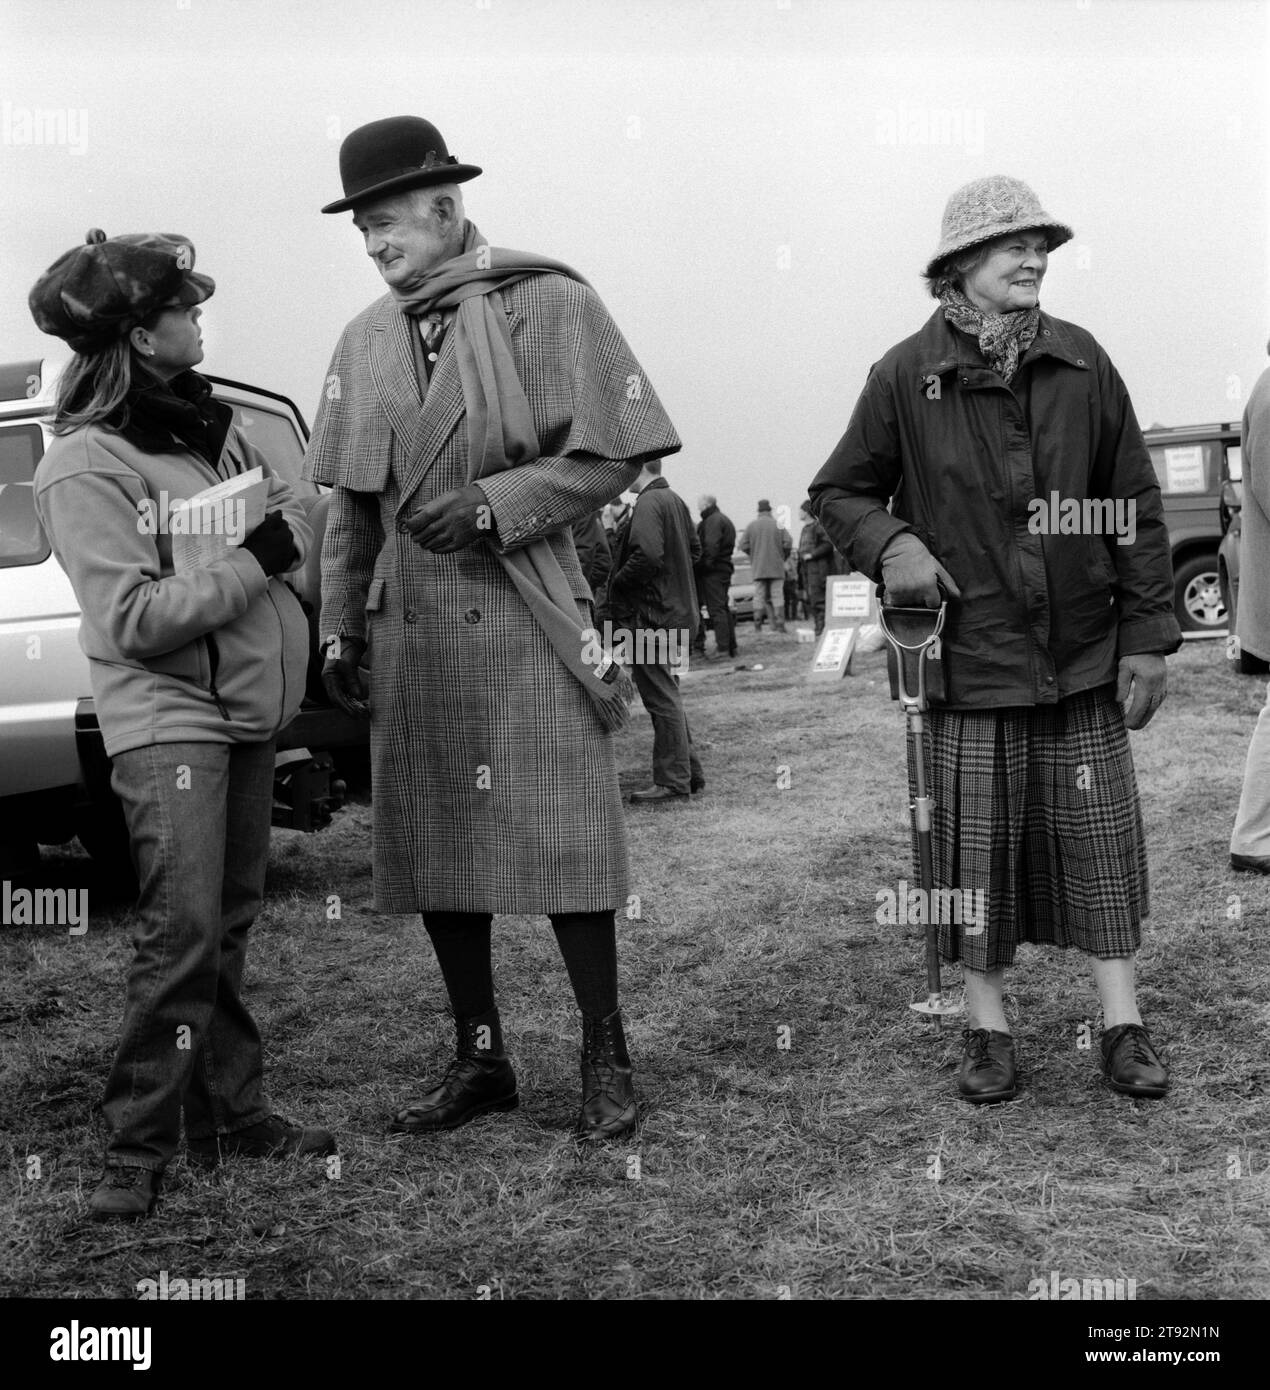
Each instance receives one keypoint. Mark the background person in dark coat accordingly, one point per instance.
(652, 595)
(815, 555)
(714, 574)
(591, 541)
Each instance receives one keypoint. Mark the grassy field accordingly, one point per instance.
(800, 1135)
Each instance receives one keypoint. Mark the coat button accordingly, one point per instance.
(473, 615)
(1047, 333)
(403, 528)
(1080, 361)
(410, 615)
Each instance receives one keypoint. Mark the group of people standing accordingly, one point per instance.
(483, 417)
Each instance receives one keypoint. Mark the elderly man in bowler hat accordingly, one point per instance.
(471, 415)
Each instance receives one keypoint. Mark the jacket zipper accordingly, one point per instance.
(213, 657)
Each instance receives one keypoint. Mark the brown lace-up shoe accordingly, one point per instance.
(272, 1138)
(987, 1067)
(1131, 1064)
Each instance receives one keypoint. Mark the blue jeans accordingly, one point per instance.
(198, 817)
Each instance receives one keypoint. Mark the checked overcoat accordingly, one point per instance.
(494, 781)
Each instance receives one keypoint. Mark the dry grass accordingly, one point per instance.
(761, 1168)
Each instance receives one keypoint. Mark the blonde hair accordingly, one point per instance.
(95, 385)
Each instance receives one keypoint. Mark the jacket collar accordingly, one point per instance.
(657, 482)
(183, 407)
(941, 348)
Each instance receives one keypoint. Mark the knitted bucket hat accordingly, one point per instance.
(992, 207)
(100, 291)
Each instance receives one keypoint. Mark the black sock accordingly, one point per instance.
(588, 943)
(462, 943)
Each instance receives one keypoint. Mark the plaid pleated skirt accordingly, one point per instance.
(1038, 807)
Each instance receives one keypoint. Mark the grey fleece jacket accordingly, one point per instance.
(159, 643)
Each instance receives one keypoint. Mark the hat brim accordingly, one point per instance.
(1059, 233)
(195, 288)
(416, 178)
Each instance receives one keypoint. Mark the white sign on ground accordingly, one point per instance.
(850, 604)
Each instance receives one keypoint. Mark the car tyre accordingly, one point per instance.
(1193, 580)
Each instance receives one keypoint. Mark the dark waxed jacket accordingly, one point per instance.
(652, 583)
(814, 545)
(959, 455)
(592, 544)
(717, 535)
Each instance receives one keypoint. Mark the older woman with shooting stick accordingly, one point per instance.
(996, 453)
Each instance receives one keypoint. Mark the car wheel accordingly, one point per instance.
(1197, 595)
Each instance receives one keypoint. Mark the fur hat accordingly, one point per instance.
(393, 155)
(100, 291)
(992, 207)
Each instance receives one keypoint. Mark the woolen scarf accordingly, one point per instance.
(501, 434)
(1001, 337)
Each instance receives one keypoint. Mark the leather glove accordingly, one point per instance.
(452, 521)
(909, 572)
(1147, 675)
(272, 544)
(341, 676)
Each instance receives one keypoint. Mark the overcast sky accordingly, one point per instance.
(751, 185)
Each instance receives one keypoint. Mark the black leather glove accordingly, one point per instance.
(341, 677)
(272, 544)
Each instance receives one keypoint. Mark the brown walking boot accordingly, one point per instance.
(124, 1194)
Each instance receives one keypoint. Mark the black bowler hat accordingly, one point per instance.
(392, 155)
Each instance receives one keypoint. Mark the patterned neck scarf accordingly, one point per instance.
(1001, 337)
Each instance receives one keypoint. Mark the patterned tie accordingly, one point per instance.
(431, 329)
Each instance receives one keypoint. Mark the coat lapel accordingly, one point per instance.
(439, 414)
(392, 371)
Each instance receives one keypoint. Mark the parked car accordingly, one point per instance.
(741, 590)
(1192, 462)
(54, 773)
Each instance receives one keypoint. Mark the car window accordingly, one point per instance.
(22, 539)
(274, 435)
(1184, 469)
(1234, 463)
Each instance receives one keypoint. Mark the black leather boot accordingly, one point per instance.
(608, 1093)
(479, 1079)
